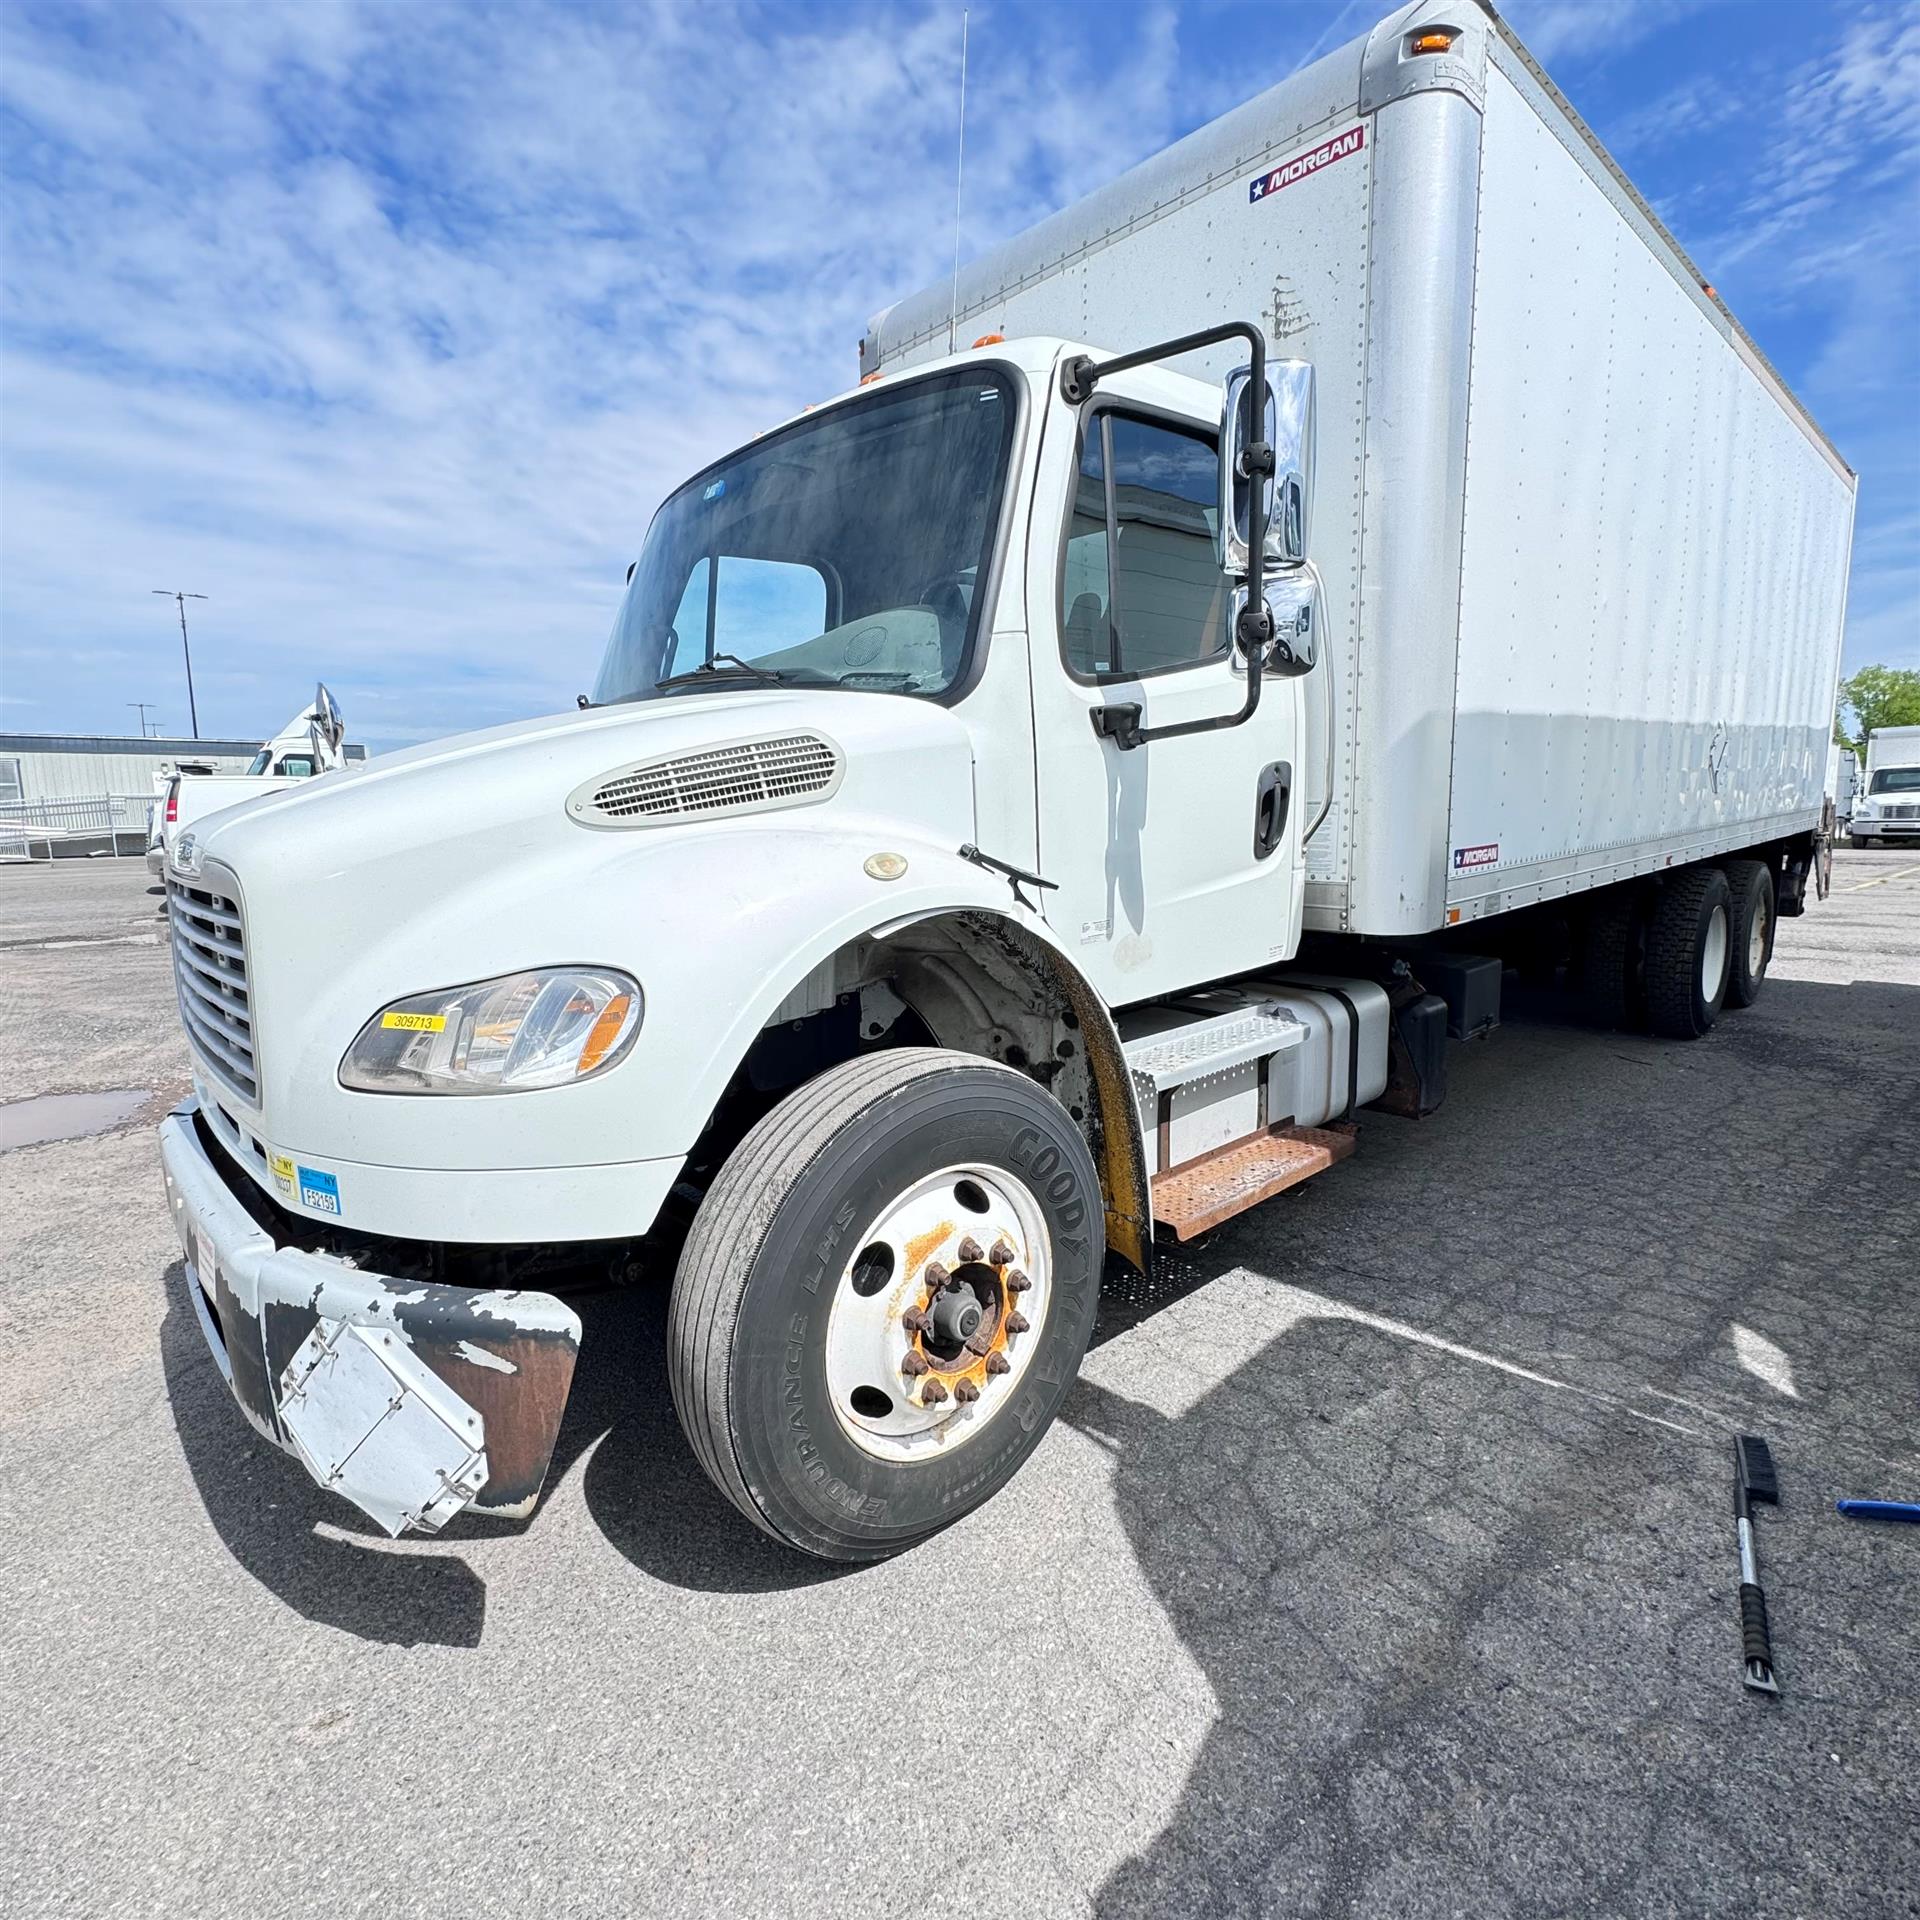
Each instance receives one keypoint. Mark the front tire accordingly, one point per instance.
(815, 1399)
(1689, 953)
(1751, 883)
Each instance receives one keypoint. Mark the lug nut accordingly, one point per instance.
(915, 1364)
(969, 1251)
(998, 1363)
(1017, 1322)
(932, 1394)
(965, 1392)
(1017, 1282)
(916, 1319)
(1002, 1254)
(936, 1276)
(978, 1343)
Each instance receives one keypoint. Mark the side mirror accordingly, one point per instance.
(1288, 429)
(1293, 602)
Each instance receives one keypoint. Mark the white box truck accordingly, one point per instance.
(1023, 813)
(1888, 808)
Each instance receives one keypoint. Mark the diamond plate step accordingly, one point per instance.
(1197, 1197)
(1211, 1045)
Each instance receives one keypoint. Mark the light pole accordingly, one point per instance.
(172, 593)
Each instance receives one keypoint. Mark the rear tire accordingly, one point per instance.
(805, 1396)
(1689, 953)
(1751, 884)
(1613, 958)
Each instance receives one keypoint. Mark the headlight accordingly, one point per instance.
(542, 1029)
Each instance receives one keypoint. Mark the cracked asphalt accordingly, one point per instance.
(1382, 1564)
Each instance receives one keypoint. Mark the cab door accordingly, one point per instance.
(1177, 861)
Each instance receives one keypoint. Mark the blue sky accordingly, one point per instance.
(387, 325)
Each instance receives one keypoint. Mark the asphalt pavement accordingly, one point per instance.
(1383, 1562)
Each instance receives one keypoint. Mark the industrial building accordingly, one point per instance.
(85, 793)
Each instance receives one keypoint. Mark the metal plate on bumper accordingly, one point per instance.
(372, 1423)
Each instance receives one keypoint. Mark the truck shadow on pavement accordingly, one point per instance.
(308, 1548)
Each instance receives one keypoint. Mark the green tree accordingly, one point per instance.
(1877, 697)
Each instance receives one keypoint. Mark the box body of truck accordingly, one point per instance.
(1585, 557)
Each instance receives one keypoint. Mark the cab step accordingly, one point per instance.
(1195, 1198)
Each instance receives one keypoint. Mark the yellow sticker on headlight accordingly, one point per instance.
(415, 1022)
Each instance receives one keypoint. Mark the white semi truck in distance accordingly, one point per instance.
(1888, 807)
(311, 743)
(1035, 805)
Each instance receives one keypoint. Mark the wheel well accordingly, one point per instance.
(978, 983)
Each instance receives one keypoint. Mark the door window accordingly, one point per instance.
(1140, 584)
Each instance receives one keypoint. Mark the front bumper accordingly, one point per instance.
(1862, 829)
(413, 1401)
(156, 860)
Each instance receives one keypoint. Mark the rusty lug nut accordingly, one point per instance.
(970, 1251)
(914, 1365)
(965, 1392)
(978, 1343)
(998, 1363)
(1017, 1282)
(932, 1394)
(916, 1319)
(1001, 1256)
(936, 1276)
(1018, 1322)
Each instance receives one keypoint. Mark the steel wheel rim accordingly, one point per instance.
(1713, 954)
(873, 1347)
(1757, 940)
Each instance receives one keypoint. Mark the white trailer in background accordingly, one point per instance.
(996, 840)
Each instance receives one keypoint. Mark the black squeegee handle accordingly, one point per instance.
(1753, 1479)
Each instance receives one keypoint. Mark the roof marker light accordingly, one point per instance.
(1437, 41)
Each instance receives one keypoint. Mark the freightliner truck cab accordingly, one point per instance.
(907, 906)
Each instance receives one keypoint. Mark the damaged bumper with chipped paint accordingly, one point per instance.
(413, 1401)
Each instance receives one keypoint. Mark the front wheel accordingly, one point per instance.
(884, 1298)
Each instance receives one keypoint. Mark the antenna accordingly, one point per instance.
(143, 705)
(959, 177)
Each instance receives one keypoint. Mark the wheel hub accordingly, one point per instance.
(925, 1336)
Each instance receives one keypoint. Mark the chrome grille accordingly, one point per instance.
(1901, 813)
(210, 976)
(747, 777)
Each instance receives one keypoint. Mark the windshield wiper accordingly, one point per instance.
(727, 663)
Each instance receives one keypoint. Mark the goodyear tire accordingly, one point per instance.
(820, 1386)
(1689, 953)
(1751, 884)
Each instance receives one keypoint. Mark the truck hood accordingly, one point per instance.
(461, 861)
(489, 794)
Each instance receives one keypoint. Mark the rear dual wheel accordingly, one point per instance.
(1689, 953)
(884, 1299)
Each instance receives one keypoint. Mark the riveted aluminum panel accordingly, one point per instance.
(1654, 560)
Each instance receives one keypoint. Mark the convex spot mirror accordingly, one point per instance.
(1295, 603)
(1288, 429)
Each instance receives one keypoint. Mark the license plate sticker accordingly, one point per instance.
(204, 1263)
(282, 1168)
(320, 1191)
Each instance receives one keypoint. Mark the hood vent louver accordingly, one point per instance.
(741, 776)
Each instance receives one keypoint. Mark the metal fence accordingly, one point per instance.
(57, 829)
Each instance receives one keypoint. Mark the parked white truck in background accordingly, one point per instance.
(311, 743)
(995, 840)
(1843, 784)
(1888, 809)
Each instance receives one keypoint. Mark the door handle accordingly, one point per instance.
(1271, 799)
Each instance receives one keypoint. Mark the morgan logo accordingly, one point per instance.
(1466, 857)
(1302, 164)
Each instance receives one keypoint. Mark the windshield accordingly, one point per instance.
(845, 551)
(1896, 780)
(261, 760)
